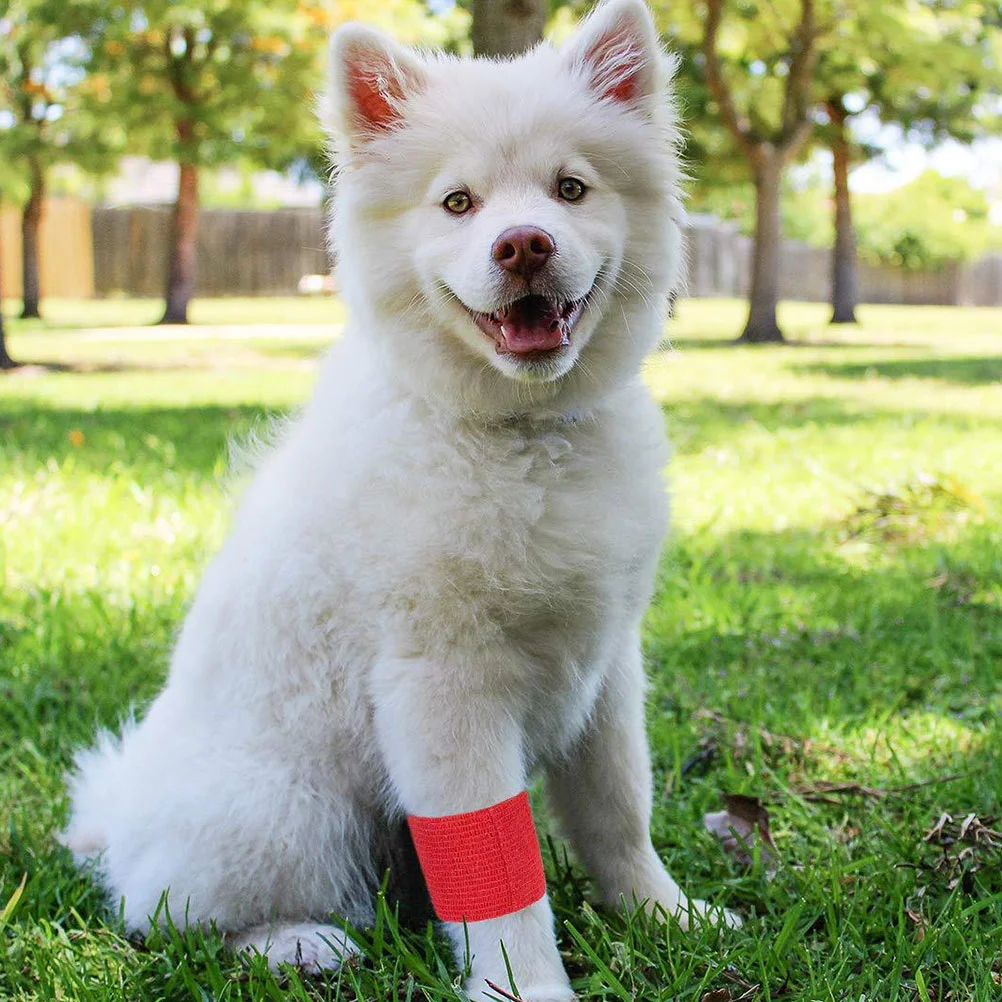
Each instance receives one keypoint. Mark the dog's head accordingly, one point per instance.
(510, 228)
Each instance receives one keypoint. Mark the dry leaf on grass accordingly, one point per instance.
(963, 846)
(919, 923)
(826, 793)
(740, 737)
(970, 829)
(745, 992)
(743, 823)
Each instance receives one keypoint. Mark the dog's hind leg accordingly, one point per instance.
(601, 793)
(312, 947)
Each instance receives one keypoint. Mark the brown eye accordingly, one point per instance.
(458, 202)
(570, 189)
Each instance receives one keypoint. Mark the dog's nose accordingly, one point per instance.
(523, 250)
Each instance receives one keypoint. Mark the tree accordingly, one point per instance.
(507, 27)
(212, 83)
(43, 58)
(770, 123)
(952, 45)
(926, 224)
(6, 362)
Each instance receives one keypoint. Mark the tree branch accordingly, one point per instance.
(796, 99)
(793, 145)
(175, 68)
(23, 97)
(738, 124)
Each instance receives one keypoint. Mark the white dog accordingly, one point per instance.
(434, 586)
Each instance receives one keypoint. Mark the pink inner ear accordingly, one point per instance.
(374, 86)
(617, 62)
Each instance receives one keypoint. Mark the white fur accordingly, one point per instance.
(435, 584)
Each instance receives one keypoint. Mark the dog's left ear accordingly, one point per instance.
(617, 51)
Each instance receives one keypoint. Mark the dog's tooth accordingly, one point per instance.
(565, 339)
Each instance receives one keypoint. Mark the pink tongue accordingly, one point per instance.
(531, 324)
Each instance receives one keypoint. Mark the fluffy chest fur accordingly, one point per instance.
(443, 524)
(536, 538)
(404, 532)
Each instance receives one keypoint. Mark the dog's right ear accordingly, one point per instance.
(371, 78)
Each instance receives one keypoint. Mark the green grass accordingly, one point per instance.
(829, 612)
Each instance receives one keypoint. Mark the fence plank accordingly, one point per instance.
(65, 252)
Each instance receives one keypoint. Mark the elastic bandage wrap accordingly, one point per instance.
(483, 864)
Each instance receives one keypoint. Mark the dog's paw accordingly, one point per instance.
(310, 947)
(697, 911)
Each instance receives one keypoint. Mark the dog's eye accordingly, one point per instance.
(570, 189)
(458, 202)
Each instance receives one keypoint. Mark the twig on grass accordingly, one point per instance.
(505, 995)
(825, 792)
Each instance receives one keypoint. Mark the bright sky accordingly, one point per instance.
(980, 163)
(903, 160)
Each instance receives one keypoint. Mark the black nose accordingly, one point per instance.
(523, 250)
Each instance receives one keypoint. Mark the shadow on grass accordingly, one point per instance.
(671, 344)
(146, 440)
(964, 370)
(786, 626)
(695, 424)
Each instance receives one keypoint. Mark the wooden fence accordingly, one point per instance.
(720, 265)
(65, 254)
(108, 252)
(240, 252)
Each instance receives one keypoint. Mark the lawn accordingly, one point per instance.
(826, 638)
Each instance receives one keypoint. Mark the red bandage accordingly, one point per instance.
(481, 865)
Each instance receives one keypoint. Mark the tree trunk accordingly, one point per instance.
(844, 254)
(762, 326)
(507, 27)
(6, 362)
(31, 221)
(181, 271)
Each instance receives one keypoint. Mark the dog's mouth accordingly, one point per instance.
(532, 326)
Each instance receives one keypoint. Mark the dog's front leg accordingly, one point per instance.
(452, 745)
(601, 792)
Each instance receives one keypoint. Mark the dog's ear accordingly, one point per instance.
(371, 78)
(617, 51)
